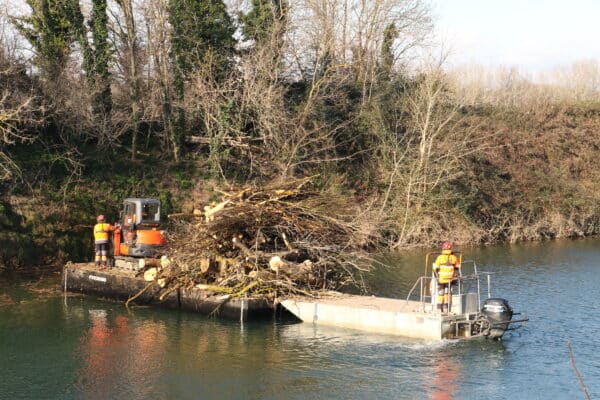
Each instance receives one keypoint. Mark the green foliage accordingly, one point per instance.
(102, 101)
(228, 121)
(97, 56)
(265, 19)
(183, 180)
(387, 52)
(50, 31)
(166, 201)
(202, 35)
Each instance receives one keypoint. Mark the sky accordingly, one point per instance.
(533, 35)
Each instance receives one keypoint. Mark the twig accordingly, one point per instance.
(169, 291)
(587, 395)
(245, 289)
(138, 294)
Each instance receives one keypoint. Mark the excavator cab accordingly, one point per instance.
(140, 234)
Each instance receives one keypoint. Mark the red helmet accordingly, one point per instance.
(100, 218)
(447, 246)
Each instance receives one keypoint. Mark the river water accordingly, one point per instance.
(79, 347)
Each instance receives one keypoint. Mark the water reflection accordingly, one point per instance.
(83, 348)
(119, 353)
(445, 377)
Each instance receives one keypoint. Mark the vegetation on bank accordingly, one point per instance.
(182, 100)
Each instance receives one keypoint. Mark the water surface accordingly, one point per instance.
(80, 347)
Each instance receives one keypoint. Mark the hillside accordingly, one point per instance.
(175, 101)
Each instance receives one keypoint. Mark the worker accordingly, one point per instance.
(445, 268)
(101, 241)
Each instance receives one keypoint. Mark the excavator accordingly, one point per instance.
(139, 235)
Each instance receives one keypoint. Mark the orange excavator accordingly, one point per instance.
(139, 235)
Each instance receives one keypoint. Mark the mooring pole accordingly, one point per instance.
(242, 309)
(65, 280)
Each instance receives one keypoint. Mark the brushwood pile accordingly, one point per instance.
(285, 239)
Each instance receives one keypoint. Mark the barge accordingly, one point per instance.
(123, 284)
(417, 316)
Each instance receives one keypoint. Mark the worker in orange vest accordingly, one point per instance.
(101, 241)
(445, 269)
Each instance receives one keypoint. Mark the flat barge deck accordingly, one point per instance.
(374, 314)
(419, 315)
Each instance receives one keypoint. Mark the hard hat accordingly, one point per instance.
(446, 246)
(100, 218)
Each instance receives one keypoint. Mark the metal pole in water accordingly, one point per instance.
(242, 309)
(489, 282)
(65, 287)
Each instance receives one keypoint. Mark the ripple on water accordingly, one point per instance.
(76, 348)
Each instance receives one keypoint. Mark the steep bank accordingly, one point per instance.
(536, 176)
(48, 220)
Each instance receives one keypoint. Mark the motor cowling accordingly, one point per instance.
(499, 313)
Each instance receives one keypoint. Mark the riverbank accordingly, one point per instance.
(421, 152)
(534, 177)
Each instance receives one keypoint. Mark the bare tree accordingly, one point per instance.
(425, 148)
(20, 112)
(159, 93)
(351, 32)
(129, 51)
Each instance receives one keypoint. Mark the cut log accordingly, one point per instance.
(238, 243)
(150, 274)
(165, 262)
(180, 215)
(205, 141)
(209, 265)
(149, 262)
(292, 270)
(209, 212)
(275, 263)
(262, 275)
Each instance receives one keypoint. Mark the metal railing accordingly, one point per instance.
(464, 283)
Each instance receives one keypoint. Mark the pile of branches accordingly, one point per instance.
(272, 241)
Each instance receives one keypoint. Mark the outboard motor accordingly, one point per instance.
(498, 313)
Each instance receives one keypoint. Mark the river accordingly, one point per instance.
(79, 347)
